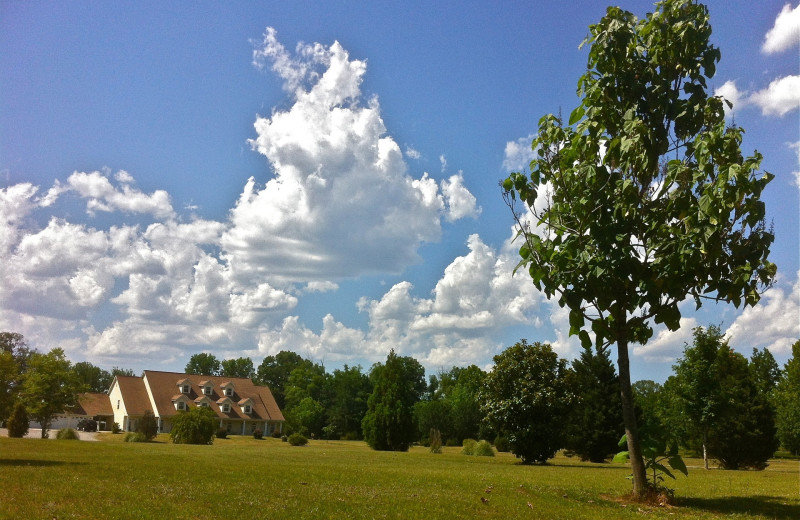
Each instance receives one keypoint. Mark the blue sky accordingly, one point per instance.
(322, 177)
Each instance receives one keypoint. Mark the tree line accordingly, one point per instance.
(717, 403)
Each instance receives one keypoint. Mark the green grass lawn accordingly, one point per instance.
(240, 477)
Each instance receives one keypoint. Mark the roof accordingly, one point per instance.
(93, 404)
(135, 395)
(162, 386)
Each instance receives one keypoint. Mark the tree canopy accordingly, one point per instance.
(643, 198)
(397, 385)
(50, 387)
(527, 397)
(203, 364)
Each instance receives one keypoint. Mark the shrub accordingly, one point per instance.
(484, 449)
(135, 437)
(468, 447)
(276, 434)
(67, 434)
(297, 439)
(351, 436)
(148, 426)
(222, 433)
(435, 441)
(196, 426)
(451, 443)
(284, 438)
(500, 443)
(258, 434)
(115, 428)
(18, 422)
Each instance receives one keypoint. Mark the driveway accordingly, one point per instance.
(36, 433)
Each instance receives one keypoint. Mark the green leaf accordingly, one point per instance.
(576, 115)
(621, 457)
(676, 462)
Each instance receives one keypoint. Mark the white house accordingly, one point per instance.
(240, 405)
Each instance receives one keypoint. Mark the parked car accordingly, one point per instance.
(87, 425)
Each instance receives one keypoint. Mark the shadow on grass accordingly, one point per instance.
(27, 462)
(766, 506)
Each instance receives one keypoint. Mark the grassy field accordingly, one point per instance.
(245, 478)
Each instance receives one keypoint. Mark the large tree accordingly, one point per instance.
(717, 394)
(50, 387)
(527, 396)
(274, 372)
(787, 403)
(238, 367)
(595, 422)
(203, 364)
(93, 377)
(397, 385)
(643, 198)
(347, 391)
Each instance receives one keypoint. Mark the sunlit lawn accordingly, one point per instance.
(240, 477)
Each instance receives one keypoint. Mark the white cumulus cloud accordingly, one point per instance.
(785, 33)
(779, 98)
(341, 202)
(773, 323)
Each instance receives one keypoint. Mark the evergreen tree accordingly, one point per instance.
(595, 421)
(397, 385)
(18, 422)
(787, 403)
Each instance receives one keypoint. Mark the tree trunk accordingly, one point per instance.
(705, 451)
(629, 416)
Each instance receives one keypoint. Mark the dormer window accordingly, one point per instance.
(226, 408)
(203, 404)
(207, 387)
(246, 405)
(227, 389)
(181, 402)
(185, 386)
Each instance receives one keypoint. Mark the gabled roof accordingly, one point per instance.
(134, 394)
(162, 387)
(93, 404)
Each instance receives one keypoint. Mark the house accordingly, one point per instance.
(90, 405)
(241, 406)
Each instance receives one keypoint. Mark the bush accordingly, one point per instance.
(67, 434)
(18, 422)
(222, 433)
(197, 426)
(258, 434)
(148, 426)
(501, 443)
(351, 436)
(297, 439)
(468, 447)
(115, 428)
(276, 434)
(451, 443)
(284, 438)
(483, 449)
(135, 437)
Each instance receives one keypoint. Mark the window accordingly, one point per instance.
(203, 404)
(226, 407)
(229, 391)
(207, 390)
(247, 408)
(117, 404)
(185, 389)
(181, 405)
